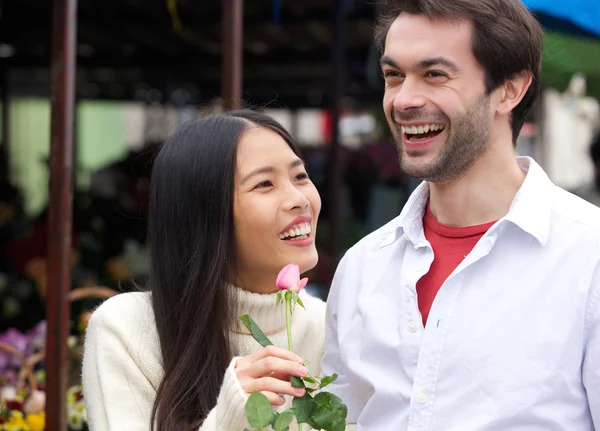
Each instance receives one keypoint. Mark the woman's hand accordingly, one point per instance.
(268, 371)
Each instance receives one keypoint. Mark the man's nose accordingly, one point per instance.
(409, 96)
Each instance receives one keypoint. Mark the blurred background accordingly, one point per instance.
(146, 66)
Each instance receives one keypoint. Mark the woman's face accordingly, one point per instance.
(276, 207)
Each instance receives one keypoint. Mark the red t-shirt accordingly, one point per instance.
(450, 246)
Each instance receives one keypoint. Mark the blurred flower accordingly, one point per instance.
(76, 419)
(35, 402)
(74, 394)
(16, 339)
(14, 404)
(40, 376)
(16, 422)
(8, 377)
(8, 392)
(72, 341)
(37, 421)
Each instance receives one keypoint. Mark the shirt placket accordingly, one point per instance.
(433, 337)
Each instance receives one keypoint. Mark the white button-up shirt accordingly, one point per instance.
(512, 341)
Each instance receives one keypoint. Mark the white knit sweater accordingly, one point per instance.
(122, 366)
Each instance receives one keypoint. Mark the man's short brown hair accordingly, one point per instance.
(507, 40)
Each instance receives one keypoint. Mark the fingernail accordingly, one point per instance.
(299, 359)
(299, 391)
(302, 370)
(281, 400)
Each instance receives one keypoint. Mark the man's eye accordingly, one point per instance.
(435, 74)
(391, 74)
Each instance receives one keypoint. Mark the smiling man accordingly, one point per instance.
(478, 307)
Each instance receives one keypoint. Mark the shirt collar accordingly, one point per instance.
(530, 210)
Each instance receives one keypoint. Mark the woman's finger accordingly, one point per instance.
(274, 399)
(281, 376)
(275, 352)
(269, 365)
(270, 384)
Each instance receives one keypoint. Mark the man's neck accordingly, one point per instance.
(483, 195)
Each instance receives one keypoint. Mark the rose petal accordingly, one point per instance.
(288, 277)
(301, 285)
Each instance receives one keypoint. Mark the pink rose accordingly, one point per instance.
(289, 279)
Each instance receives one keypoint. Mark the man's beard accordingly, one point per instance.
(467, 139)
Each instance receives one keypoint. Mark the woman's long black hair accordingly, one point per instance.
(192, 240)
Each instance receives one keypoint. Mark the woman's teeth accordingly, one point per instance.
(300, 231)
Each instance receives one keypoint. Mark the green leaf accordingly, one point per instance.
(279, 298)
(330, 412)
(327, 380)
(258, 410)
(297, 382)
(274, 418)
(304, 407)
(309, 380)
(300, 303)
(255, 330)
(283, 420)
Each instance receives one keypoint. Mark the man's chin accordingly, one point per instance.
(419, 166)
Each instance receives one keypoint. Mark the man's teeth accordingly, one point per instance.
(300, 231)
(419, 130)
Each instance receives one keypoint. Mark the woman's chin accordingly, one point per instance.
(308, 261)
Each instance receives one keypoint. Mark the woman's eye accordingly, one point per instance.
(264, 184)
(302, 176)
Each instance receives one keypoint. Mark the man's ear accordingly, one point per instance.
(513, 91)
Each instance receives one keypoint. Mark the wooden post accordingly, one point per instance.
(60, 210)
(5, 101)
(232, 53)
(335, 175)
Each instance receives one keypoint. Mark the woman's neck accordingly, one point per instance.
(257, 282)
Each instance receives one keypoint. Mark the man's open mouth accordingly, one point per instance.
(422, 132)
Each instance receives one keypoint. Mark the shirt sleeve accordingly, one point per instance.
(332, 361)
(591, 361)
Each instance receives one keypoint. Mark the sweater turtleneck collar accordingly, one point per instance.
(262, 309)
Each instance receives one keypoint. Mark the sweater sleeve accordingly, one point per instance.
(121, 372)
(228, 414)
(118, 389)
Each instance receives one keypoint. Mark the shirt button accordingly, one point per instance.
(422, 398)
(412, 327)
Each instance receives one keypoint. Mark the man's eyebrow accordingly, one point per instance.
(387, 61)
(436, 61)
(422, 64)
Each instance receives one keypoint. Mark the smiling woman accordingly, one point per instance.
(274, 198)
(231, 205)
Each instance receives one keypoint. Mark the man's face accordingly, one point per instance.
(435, 100)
